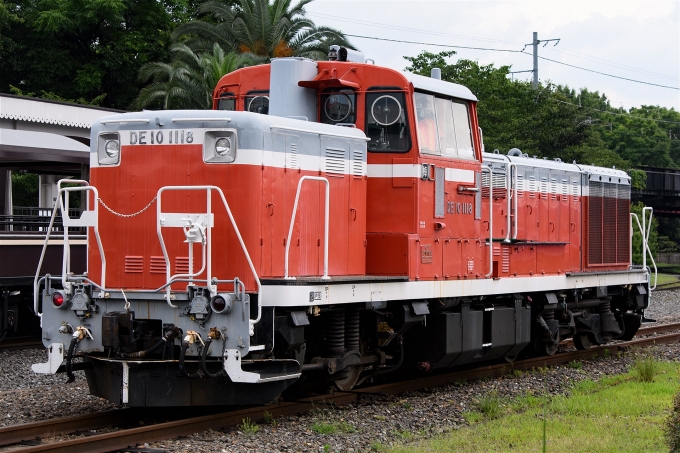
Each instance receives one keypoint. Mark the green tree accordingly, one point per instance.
(84, 48)
(264, 28)
(513, 114)
(189, 80)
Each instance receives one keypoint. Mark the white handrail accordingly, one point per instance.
(66, 258)
(511, 193)
(490, 220)
(292, 223)
(209, 244)
(645, 229)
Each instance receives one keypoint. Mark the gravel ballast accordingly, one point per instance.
(27, 397)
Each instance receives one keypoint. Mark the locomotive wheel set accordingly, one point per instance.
(331, 220)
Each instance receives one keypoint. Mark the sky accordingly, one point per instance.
(637, 40)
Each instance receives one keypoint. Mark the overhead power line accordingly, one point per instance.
(617, 113)
(573, 53)
(605, 74)
(510, 51)
(415, 30)
(432, 44)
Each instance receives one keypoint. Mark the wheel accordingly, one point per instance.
(582, 341)
(546, 347)
(350, 379)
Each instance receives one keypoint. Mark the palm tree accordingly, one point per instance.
(266, 29)
(189, 80)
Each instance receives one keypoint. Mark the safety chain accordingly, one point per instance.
(127, 215)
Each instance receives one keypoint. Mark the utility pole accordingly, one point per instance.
(535, 44)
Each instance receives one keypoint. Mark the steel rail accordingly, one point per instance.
(102, 443)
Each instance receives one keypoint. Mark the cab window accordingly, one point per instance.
(443, 126)
(386, 122)
(256, 101)
(227, 101)
(338, 106)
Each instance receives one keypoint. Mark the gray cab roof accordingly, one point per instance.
(439, 86)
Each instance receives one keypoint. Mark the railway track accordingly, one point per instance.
(18, 343)
(185, 424)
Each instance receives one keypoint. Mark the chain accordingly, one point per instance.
(127, 215)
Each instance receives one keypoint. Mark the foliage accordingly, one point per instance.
(248, 427)
(616, 413)
(645, 369)
(89, 49)
(55, 97)
(490, 404)
(513, 114)
(187, 82)
(672, 426)
(268, 29)
(24, 189)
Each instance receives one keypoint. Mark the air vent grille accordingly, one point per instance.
(182, 265)
(134, 264)
(157, 265)
(335, 161)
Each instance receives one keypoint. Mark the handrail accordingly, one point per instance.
(511, 193)
(490, 220)
(645, 229)
(67, 222)
(292, 223)
(213, 288)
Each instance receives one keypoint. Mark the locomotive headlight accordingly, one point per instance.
(222, 146)
(108, 148)
(219, 146)
(112, 148)
(222, 303)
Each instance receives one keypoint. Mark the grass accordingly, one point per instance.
(617, 414)
(324, 427)
(664, 279)
(248, 427)
(645, 369)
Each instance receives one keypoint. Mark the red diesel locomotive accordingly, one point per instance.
(335, 219)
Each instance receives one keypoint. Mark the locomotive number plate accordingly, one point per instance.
(426, 254)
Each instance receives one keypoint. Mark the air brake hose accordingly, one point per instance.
(69, 358)
(204, 366)
(185, 346)
(170, 335)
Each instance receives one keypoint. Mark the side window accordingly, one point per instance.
(257, 101)
(338, 106)
(386, 122)
(227, 101)
(443, 127)
(447, 134)
(461, 120)
(427, 126)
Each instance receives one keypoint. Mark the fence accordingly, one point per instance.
(35, 220)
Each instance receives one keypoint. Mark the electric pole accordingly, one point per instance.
(535, 44)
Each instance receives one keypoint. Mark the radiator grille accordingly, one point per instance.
(499, 186)
(335, 161)
(157, 265)
(182, 265)
(134, 264)
(608, 223)
(357, 162)
(506, 260)
(294, 156)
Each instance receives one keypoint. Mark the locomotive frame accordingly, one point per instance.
(435, 254)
